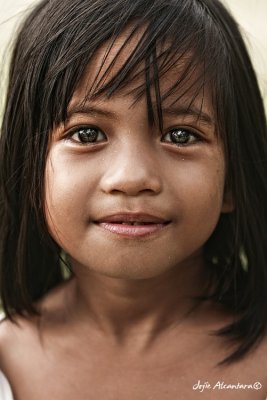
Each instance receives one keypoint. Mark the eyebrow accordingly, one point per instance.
(89, 109)
(178, 110)
(191, 111)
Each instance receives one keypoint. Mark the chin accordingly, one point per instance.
(127, 270)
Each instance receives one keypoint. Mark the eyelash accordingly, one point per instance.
(78, 131)
(172, 136)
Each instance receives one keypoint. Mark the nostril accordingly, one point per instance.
(132, 171)
(130, 185)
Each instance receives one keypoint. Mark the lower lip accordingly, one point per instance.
(132, 230)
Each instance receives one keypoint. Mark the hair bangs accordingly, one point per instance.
(159, 49)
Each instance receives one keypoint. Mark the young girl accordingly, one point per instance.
(134, 149)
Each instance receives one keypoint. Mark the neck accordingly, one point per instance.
(123, 308)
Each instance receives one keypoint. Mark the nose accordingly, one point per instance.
(132, 171)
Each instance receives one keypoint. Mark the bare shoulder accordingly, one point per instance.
(253, 367)
(258, 359)
(9, 332)
(14, 337)
(21, 340)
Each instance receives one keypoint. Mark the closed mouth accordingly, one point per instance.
(132, 225)
(133, 219)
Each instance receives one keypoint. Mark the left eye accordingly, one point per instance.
(180, 137)
(86, 135)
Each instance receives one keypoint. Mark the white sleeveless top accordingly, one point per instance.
(5, 389)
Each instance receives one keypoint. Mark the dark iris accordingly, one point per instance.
(180, 136)
(87, 135)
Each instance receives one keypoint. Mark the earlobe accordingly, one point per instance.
(228, 204)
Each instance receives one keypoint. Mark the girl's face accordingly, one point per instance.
(124, 199)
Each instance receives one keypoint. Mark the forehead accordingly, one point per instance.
(166, 78)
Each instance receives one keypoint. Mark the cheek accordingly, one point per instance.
(67, 190)
(199, 190)
(208, 187)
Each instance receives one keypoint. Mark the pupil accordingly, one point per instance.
(180, 136)
(88, 135)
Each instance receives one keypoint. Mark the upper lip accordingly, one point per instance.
(133, 217)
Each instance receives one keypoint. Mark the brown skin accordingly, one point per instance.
(60, 356)
(126, 326)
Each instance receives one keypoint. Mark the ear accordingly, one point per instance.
(228, 204)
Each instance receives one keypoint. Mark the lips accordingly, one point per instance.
(132, 224)
(133, 218)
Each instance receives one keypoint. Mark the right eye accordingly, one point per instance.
(87, 135)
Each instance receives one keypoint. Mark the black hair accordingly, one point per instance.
(54, 46)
